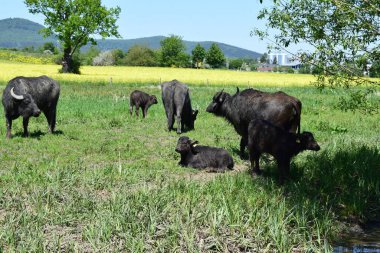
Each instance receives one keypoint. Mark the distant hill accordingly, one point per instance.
(20, 33)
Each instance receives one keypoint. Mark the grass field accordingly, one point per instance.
(108, 182)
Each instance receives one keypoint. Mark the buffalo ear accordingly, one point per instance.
(192, 146)
(194, 143)
(237, 90)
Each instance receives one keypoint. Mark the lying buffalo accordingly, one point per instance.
(200, 157)
(279, 108)
(264, 137)
(141, 99)
(177, 103)
(28, 96)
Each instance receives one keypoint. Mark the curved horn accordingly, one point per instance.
(18, 97)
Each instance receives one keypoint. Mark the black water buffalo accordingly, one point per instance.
(196, 156)
(264, 137)
(141, 99)
(177, 103)
(279, 108)
(28, 96)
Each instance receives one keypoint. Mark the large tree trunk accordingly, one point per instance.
(67, 63)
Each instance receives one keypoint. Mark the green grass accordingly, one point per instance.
(106, 182)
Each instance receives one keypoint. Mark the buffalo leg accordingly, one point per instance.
(131, 109)
(144, 110)
(170, 120)
(51, 119)
(179, 123)
(254, 157)
(25, 123)
(243, 144)
(284, 170)
(137, 108)
(9, 126)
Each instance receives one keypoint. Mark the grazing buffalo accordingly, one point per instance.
(264, 137)
(28, 96)
(177, 103)
(201, 157)
(141, 99)
(241, 108)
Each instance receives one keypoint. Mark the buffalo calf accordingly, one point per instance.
(201, 157)
(141, 99)
(264, 137)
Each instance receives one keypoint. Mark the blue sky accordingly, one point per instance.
(228, 22)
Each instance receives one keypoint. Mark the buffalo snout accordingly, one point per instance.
(314, 147)
(36, 113)
(211, 108)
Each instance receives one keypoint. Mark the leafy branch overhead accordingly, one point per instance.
(343, 33)
(75, 22)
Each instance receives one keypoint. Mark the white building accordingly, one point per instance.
(283, 59)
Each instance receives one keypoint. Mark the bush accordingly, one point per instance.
(105, 58)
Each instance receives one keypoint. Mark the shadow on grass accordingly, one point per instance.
(38, 134)
(346, 181)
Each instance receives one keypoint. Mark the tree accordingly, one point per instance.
(264, 58)
(173, 52)
(340, 32)
(236, 63)
(374, 70)
(74, 22)
(50, 46)
(106, 58)
(140, 56)
(87, 57)
(274, 61)
(215, 57)
(199, 54)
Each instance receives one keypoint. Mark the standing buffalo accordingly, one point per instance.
(28, 96)
(264, 137)
(201, 157)
(143, 100)
(176, 99)
(278, 108)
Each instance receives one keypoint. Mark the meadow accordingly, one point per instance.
(109, 182)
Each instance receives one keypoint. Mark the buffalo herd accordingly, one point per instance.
(268, 122)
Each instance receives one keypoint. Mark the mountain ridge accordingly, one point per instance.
(20, 33)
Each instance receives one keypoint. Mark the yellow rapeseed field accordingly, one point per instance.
(154, 75)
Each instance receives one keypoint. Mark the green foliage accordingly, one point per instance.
(173, 52)
(235, 63)
(343, 33)
(198, 55)
(75, 23)
(264, 58)
(305, 69)
(50, 46)
(88, 56)
(374, 71)
(358, 100)
(119, 56)
(215, 57)
(141, 56)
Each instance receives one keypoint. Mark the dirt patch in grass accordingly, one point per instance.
(60, 238)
